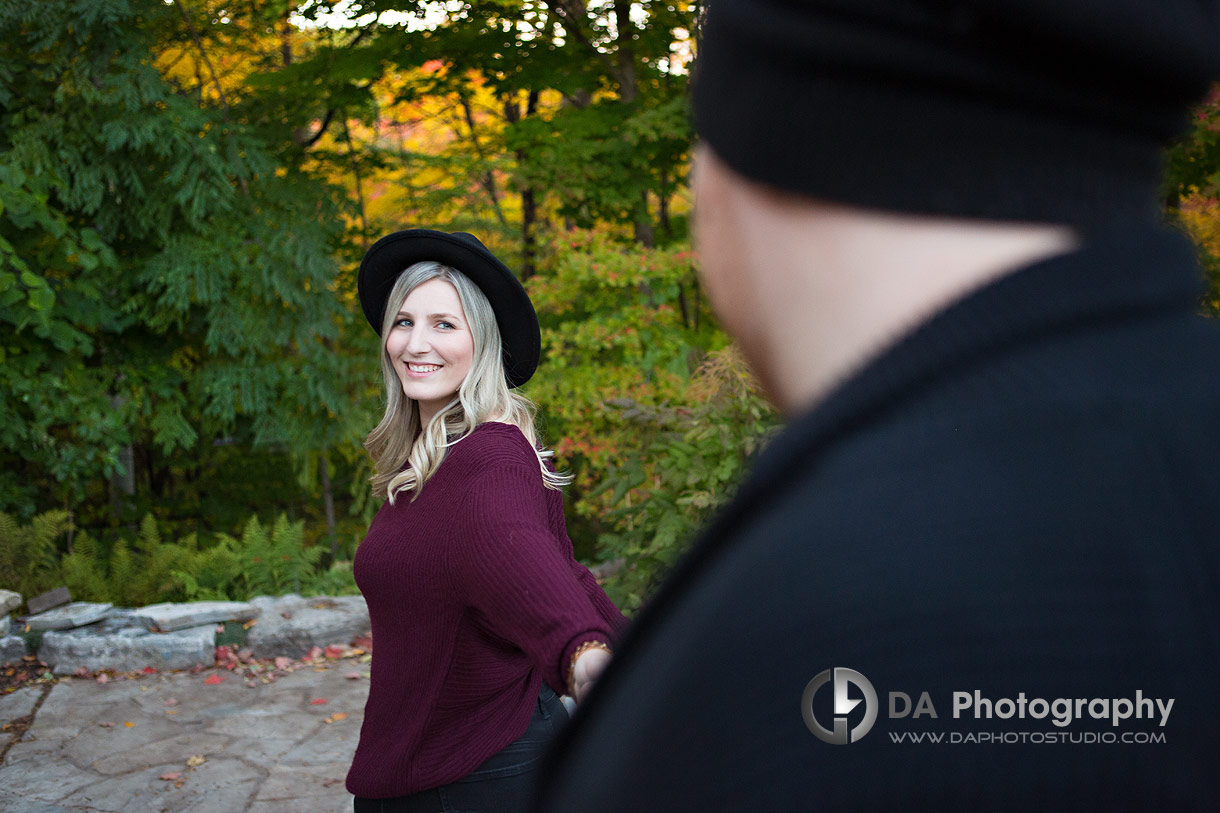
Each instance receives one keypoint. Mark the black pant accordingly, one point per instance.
(501, 784)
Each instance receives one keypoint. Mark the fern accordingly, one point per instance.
(294, 562)
(84, 570)
(123, 574)
(29, 555)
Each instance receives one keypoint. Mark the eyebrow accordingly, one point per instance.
(435, 315)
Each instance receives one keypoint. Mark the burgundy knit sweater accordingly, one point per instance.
(475, 598)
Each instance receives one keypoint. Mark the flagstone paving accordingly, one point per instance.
(176, 742)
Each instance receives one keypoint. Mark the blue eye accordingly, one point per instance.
(445, 325)
(403, 323)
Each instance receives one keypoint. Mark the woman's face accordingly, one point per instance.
(430, 346)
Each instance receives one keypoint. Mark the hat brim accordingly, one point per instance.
(391, 255)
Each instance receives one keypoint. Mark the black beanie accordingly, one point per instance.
(1025, 110)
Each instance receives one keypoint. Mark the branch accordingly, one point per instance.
(330, 114)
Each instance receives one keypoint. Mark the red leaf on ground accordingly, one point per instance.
(213, 679)
(282, 662)
(364, 642)
(314, 653)
(334, 651)
(318, 701)
(171, 776)
(103, 678)
(148, 670)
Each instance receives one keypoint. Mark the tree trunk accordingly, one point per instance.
(529, 203)
(328, 501)
(643, 223)
(122, 485)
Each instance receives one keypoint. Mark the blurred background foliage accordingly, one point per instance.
(186, 189)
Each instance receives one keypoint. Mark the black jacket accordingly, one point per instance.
(1019, 499)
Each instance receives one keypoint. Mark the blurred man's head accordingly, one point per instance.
(864, 162)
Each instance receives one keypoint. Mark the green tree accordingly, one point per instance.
(166, 276)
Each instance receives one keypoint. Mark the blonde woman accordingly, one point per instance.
(480, 613)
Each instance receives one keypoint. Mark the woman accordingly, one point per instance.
(479, 610)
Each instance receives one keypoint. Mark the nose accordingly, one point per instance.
(417, 341)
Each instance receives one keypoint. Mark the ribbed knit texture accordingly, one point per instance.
(475, 598)
(1050, 111)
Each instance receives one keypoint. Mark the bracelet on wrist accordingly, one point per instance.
(580, 650)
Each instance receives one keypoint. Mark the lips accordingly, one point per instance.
(423, 369)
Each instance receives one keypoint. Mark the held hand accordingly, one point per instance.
(589, 666)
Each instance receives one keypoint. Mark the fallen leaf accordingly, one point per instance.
(352, 676)
(282, 662)
(129, 724)
(334, 652)
(318, 701)
(106, 725)
(171, 711)
(326, 783)
(170, 701)
(171, 776)
(103, 678)
(366, 658)
(249, 623)
(195, 761)
(339, 715)
(213, 679)
(148, 670)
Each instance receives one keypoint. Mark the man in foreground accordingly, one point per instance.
(981, 567)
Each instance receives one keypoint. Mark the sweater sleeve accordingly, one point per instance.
(506, 564)
(605, 607)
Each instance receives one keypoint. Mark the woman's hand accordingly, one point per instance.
(588, 667)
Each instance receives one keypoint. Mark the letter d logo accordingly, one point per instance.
(842, 705)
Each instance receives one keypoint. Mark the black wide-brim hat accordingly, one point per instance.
(520, 337)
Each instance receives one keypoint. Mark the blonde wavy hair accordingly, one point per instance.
(484, 396)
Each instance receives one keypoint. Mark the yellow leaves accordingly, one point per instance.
(1201, 217)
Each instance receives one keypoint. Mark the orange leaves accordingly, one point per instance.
(214, 679)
